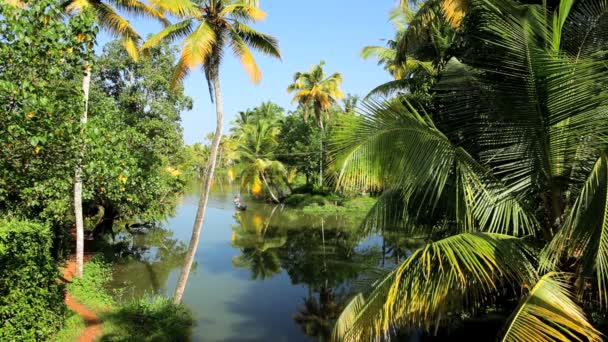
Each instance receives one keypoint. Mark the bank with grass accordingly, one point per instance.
(152, 318)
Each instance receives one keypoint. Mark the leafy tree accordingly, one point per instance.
(111, 21)
(40, 102)
(297, 145)
(208, 27)
(134, 135)
(514, 148)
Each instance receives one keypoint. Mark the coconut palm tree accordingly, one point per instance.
(207, 28)
(318, 91)
(255, 152)
(515, 148)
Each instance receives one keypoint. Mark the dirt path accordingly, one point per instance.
(93, 323)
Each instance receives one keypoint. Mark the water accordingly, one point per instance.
(266, 274)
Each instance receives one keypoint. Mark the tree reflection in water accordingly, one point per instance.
(151, 256)
(327, 259)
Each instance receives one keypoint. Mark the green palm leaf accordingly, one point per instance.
(451, 275)
(549, 313)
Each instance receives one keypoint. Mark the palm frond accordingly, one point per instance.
(180, 8)
(112, 22)
(584, 233)
(241, 50)
(549, 313)
(139, 9)
(243, 12)
(171, 33)
(433, 171)
(263, 43)
(443, 277)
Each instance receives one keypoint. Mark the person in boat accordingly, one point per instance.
(238, 204)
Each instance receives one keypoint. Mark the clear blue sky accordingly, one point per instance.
(308, 32)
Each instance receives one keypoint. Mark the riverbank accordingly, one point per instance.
(99, 313)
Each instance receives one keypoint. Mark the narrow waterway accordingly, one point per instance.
(269, 273)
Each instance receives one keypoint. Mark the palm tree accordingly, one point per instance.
(515, 148)
(207, 28)
(318, 91)
(255, 151)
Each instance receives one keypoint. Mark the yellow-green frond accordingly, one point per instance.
(112, 22)
(77, 5)
(244, 12)
(247, 60)
(198, 45)
(549, 313)
(180, 8)
(131, 48)
(444, 277)
(175, 31)
(179, 73)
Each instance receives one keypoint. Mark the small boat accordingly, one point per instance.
(240, 206)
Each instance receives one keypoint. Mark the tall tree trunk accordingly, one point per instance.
(202, 204)
(274, 198)
(321, 157)
(86, 84)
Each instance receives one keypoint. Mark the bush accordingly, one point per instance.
(31, 301)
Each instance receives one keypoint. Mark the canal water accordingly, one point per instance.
(270, 273)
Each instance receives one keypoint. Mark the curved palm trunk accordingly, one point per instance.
(202, 204)
(274, 198)
(86, 84)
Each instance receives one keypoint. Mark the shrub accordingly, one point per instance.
(31, 301)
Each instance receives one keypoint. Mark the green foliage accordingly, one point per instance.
(513, 143)
(41, 61)
(73, 327)
(153, 319)
(134, 137)
(31, 300)
(157, 319)
(90, 289)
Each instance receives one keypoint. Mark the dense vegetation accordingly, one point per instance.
(488, 148)
(130, 167)
(501, 171)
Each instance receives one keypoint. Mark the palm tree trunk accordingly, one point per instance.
(321, 158)
(202, 204)
(274, 198)
(86, 84)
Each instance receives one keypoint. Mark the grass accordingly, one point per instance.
(72, 328)
(358, 206)
(147, 319)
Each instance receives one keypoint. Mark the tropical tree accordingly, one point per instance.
(110, 20)
(515, 148)
(207, 28)
(256, 143)
(318, 91)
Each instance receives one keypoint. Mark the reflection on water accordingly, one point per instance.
(266, 274)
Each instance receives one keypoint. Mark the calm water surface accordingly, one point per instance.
(267, 274)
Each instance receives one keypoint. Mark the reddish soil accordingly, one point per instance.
(93, 323)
